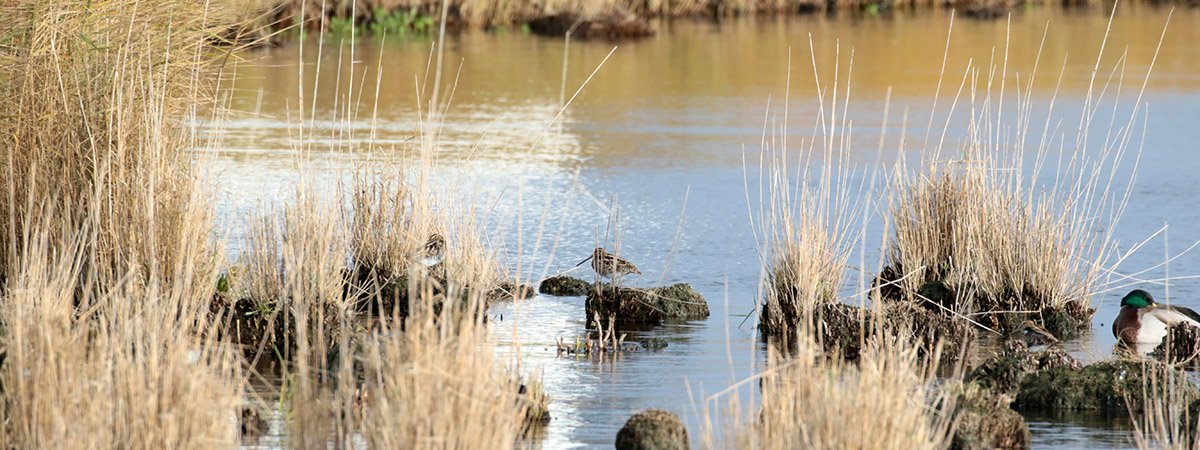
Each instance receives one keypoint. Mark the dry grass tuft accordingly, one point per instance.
(93, 100)
(132, 370)
(985, 233)
(888, 401)
(806, 223)
(970, 237)
(107, 263)
(434, 386)
(1167, 421)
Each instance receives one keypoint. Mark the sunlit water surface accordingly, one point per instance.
(670, 127)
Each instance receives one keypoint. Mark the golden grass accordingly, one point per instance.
(131, 371)
(1167, 421)
(889, 400)
(107, 266)
(805, 222)
(437, 386)
(392, 218)
(92, 103)
(985, 231)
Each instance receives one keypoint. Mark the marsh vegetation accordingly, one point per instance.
(384, 298)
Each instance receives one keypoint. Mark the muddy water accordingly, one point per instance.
(663, 129)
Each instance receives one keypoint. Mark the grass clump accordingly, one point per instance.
(432, 386)
(91, 100)
(970, 238)
(107, 264)
(886, 401)
(985, 234)
(393, 221)
(806, 225)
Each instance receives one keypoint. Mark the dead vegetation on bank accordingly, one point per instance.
(122, 328)
(886, 400)
(107, 261)
(604, 19)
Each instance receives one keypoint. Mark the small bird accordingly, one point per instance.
(1032, 334)
(1145, 322)
(609, 265)
(432, 252)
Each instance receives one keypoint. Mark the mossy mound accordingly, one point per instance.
(260, 328)
(510, 291)
(564, 286)
(928, 328)
(985, 420)
(1003, 371)
(1062, 319)
(1182, 345)
(649, 306)
(842, 329)
(1112, 385)
(653, 429)
(612, 25)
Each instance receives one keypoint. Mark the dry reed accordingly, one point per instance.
(1167, 421)
(976, 235)
(888, 401)
(808, 219)
(107, 265)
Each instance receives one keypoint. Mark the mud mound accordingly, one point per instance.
(1112, 385)
(564, 286)
(1181, 346)
(648, 306)
(612, 26)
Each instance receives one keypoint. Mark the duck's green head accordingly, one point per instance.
(1137, 299)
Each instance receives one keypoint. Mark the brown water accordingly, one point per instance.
(667, 119)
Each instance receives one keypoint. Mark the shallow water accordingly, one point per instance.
(666, 123)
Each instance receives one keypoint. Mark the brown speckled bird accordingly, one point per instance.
(1033, 335)
(435, 248)
(609, 265)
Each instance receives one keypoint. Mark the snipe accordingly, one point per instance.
(432, 252)
(609, 265)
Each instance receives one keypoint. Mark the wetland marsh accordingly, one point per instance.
(336, 229)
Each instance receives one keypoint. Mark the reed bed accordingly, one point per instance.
(126, 370)
(888, 400)
(438, 386)
(807, 220)
(107, 267)
(418, 18)
(1015, 223)
(1167, 421)
(93, 99)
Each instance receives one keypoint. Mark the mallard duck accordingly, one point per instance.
(609, 265)
(1143, 321)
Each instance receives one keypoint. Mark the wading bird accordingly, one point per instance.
(435, 248)
(1033, 335)
(1143, 321)
(609, 265)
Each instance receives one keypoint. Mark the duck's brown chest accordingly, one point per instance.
(1125, 328)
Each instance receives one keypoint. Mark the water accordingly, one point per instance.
(663, 128)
